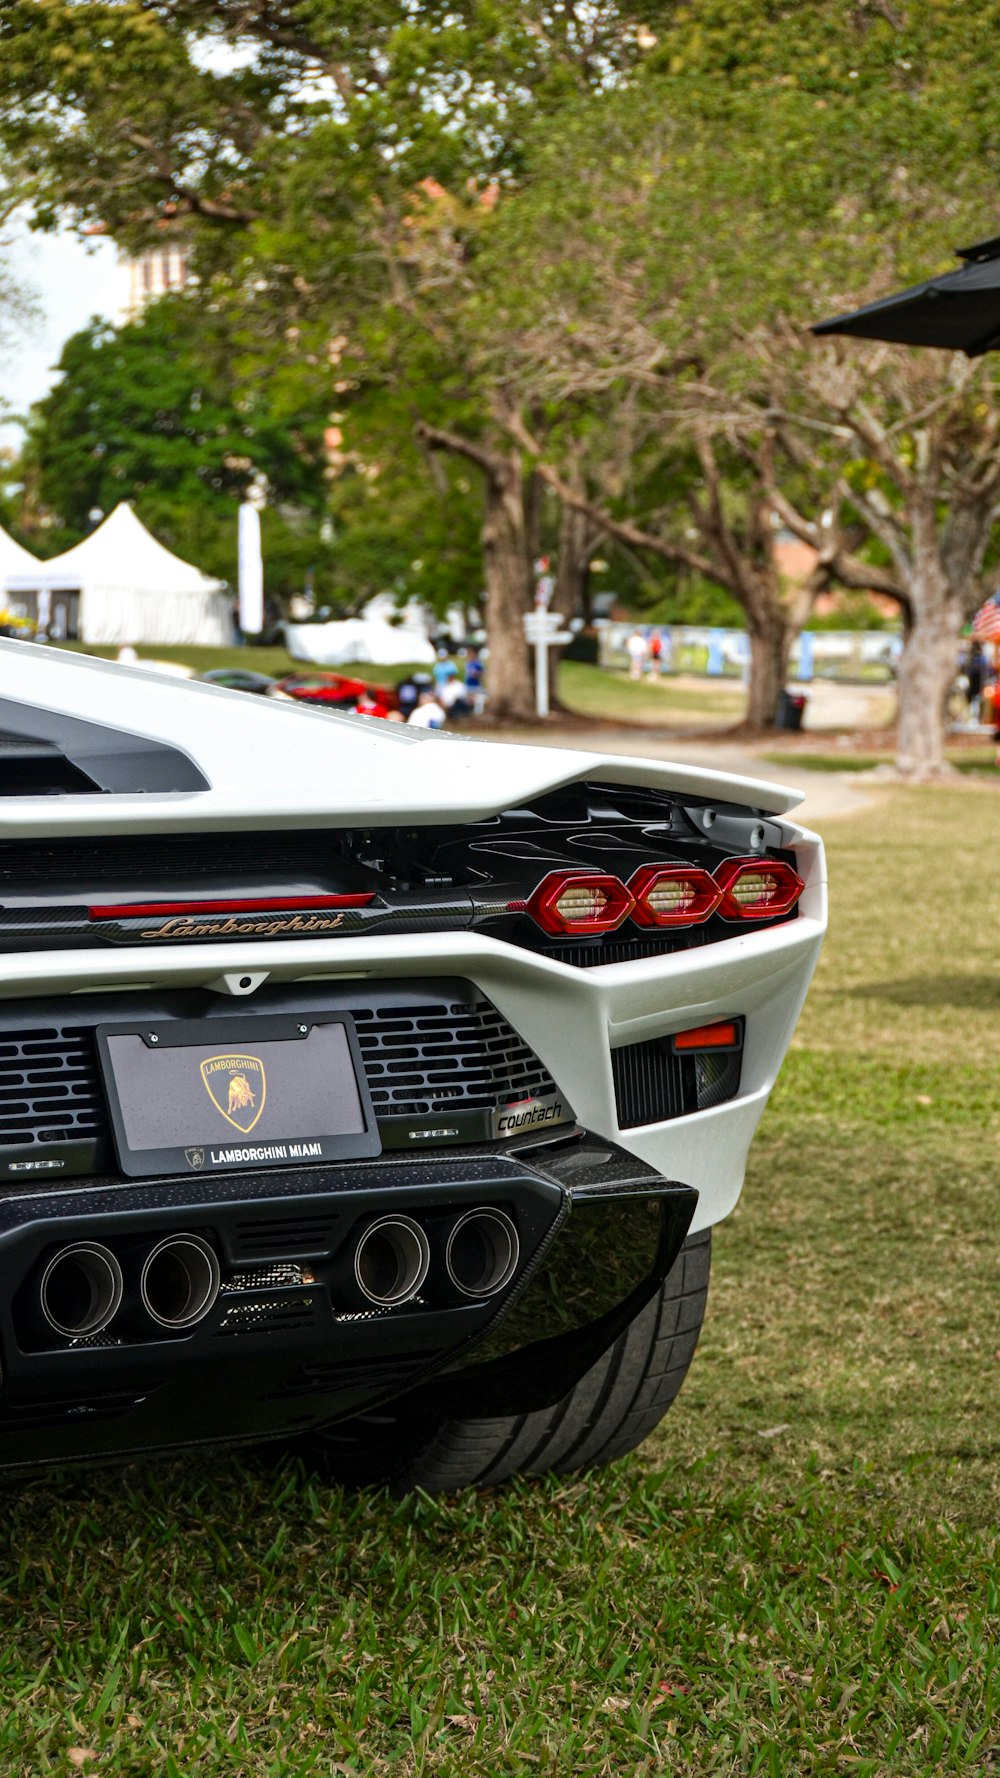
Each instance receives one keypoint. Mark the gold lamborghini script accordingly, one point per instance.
(239, 926)
(237, 1086)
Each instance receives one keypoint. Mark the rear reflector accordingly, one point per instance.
(266, 904)
(579, 902)
(673, 895)
(757, 889)
(708, 1037)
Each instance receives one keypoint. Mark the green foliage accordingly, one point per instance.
(853, 611)
(169, 413)
(531, 221)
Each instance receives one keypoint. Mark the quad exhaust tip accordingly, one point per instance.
(179, 1281)
(481, 1253)
(81, 1290)
(391, 1260)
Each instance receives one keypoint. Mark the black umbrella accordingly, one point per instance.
(959, 310)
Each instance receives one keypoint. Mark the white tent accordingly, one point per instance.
(120, 585)
(14, 558)
(362, 639)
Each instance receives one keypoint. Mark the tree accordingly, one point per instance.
(576, 249)
(18, 306)
(295, 174)
(916, 452)
(698, 230)
(166, 411)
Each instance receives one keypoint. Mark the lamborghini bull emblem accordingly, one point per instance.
(237, 1086)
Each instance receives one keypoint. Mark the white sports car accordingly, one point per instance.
(364, 1087)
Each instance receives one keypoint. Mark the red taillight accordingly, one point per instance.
(757, 888)
(673, 895)
(260, 904)
(579, 902)
(723, 1036)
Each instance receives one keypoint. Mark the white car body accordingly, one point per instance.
(273, 768)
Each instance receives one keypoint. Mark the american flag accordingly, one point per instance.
(986, 623)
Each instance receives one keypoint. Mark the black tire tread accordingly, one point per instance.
(613, 1408)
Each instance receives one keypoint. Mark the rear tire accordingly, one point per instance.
(614, 1406)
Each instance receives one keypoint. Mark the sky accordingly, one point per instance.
(72, 281)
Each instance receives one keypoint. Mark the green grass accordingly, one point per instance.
(614, 697)
(964, 759)
(797, 1575)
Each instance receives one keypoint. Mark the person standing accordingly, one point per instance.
(636, 649)
(443, 670)
(474, 689)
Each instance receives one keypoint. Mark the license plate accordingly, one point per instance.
(213, 1094)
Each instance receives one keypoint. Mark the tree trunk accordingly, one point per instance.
(572, 568)
(771, 638)
(509, 571)
(926, 674)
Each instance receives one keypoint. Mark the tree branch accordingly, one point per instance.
(213, 209)
(437, 438)
(621, 529)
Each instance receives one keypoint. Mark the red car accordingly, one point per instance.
(340, 692)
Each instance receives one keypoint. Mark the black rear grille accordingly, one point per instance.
(49, 1088)
(594, 952)
(652, 1084)
(421, 1060)
(121, 861)
(279, 1314)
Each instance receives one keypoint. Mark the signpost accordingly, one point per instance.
(544, 630)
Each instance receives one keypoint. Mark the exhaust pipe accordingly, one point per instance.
(81, 1290)
(391, 1260)
(179, 1281)
(481, 1252)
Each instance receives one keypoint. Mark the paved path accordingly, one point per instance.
(826, 794)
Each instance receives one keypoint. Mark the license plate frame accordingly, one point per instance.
(215, 1134)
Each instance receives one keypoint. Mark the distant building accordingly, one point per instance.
(156, 272)
(795, 561)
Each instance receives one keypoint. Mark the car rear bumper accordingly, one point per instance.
(286, 1343)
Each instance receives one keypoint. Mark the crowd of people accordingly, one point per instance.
(648, 652)
(447, 693)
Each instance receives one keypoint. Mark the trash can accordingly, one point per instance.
(791, 710)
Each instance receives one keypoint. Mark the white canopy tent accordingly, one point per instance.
(366, 640)
(14, 558)
(120, 585)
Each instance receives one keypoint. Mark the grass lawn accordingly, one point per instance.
(667, 703)
(964, 759)
(797, 1575)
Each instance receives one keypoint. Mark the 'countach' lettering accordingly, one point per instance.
(529, 1115)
